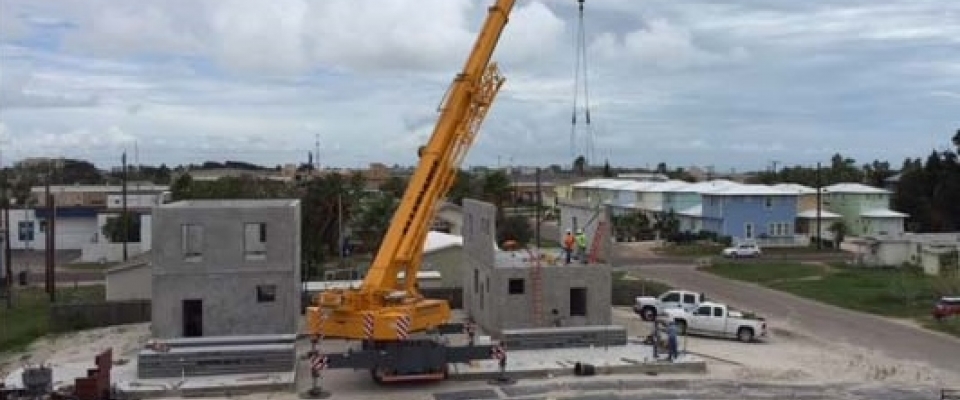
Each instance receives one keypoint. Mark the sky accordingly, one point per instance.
(729, 84)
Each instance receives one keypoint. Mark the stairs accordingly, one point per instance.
(536, 283)
(594, 256)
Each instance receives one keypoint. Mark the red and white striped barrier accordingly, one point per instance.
(368, 325)
(403, 327)
(498, 352)
(318, 363)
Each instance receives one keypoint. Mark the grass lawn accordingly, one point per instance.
(28, 320)
(690, 250)
(766, 273)
(886, 292)
(704, 250)
(627, 287)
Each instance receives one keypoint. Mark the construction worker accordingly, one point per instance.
(672, 340)
(568, 243)
(581, 246)
(471, 331)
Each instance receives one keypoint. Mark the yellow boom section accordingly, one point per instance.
(382, 309)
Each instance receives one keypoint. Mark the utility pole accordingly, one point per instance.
(340, 225)
(50, 267)
(6, 240)
(819, 206)
(316, 155)
(539, 210)
(124, 220)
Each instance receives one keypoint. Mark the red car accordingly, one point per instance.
(946, 307)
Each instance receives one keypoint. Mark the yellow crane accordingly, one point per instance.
(386, 312)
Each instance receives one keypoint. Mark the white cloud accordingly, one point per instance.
(660, 44)
(681, 82)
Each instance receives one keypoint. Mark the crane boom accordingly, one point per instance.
(380, 306)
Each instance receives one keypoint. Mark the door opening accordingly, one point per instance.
(192, 318)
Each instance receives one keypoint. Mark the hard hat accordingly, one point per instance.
(568, 230)
(580, 230)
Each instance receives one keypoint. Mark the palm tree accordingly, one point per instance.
(496, 188)
(839, 230)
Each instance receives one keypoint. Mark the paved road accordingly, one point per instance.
(893, 338)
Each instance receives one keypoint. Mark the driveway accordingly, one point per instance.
(894, 339)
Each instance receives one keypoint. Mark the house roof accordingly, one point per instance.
(798, 188)
(668, 186)
(882, 213)
(437, 241)
(749, 190)
(856, 188)
(812, 214)
(704, 186)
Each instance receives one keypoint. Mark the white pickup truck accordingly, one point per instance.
(716, 319)
(648, 307)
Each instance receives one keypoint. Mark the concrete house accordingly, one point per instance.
(864, 209)
(503, 290)
(226, 267)
(759, 213)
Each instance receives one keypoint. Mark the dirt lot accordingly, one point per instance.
(786, 364)
(789, 356)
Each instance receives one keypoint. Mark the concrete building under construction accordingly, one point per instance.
(507, 290)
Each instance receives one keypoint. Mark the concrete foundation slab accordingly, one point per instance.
(545, 363)
(225, 355)
(580, 336)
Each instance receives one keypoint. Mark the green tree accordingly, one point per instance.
(394, 186)
(374, 219)
(114, 227)
(497, 189)
(607, 171)
(666, 224)
(839, 230)
(463, 187)
(580, 165)
(182, 188)
(516, 228)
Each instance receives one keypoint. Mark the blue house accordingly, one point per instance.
(760, 213)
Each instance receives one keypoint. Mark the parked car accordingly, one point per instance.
(743, 250)
(719, 320)
(648, 307)
(946, 307)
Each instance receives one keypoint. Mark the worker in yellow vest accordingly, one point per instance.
(581, 246)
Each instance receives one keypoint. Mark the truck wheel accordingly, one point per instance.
(648, 314)
(745, 335)
(376, 375)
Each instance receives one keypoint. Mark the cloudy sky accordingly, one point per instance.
(724, 83)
